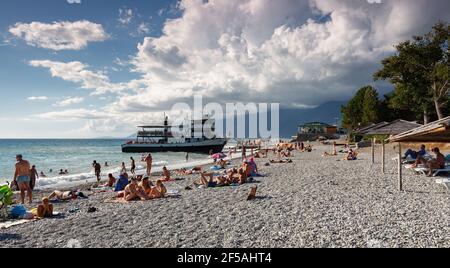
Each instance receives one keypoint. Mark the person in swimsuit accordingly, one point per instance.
(159, 191)
(45, 209)
(33, 176)
(133, 166)
(98, 170)
(133, 192)
(149, 160)
(146, 185)
(111, 181)
(64, 196)
(22, 178)
(433, 164)
(166, 174)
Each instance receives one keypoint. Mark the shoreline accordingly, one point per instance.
(313, 202)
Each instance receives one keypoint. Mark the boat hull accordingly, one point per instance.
(215, 146)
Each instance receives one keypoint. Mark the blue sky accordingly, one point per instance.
(19, 81)
(101, 67)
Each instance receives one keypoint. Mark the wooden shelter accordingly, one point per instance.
(387, 129)
(438, 131)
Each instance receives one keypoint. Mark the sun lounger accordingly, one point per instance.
(424, 170)
(445, 182)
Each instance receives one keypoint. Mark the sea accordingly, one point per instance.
(76, 156)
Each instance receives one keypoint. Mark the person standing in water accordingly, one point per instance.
(22, 178)
(149, 160)
(33, 176)
(98, 170)
(133, 166)
(187, 157)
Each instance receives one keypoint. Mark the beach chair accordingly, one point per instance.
(424, 170)
(445, 182)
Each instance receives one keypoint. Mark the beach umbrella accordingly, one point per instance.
(219, 156)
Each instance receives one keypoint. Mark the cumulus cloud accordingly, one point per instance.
(59, 35)
(69, 101)
(78, 72)
(74, 1)
(300, 53)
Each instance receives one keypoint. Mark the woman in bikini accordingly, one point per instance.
(166, 174)
(159, 191)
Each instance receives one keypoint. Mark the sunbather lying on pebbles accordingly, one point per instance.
(194, 170)
(64, 196)
(351, 156)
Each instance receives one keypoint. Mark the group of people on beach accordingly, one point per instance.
(431, 163)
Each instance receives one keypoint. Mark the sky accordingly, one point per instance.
(99, 68)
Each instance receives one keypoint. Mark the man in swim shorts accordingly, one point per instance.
(22, 177)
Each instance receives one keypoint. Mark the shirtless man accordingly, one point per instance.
(133, 166)
(149, 160)
(33, 176)
(22, 178)
(98, 170)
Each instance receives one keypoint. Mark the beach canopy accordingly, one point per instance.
(363, 130)
(438, 132)
(393, 128)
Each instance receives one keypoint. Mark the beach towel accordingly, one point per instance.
(9, 224)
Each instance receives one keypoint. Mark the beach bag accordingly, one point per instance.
(6, 196)
(18, 212)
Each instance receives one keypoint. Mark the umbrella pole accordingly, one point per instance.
(400, 175)
(373, 150)
(383, 157)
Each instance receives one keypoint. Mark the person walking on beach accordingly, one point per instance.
(187, 157)
(33, 176)
(244, 153)
(149, 160)
(98, 170)
(22, 178)
(133, 166)
(123, 169)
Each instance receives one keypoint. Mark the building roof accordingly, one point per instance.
(438, 131)
(393, 128)
(361, 131)
(316, 124)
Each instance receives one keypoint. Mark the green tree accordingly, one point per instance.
(362, 109)
(420, 73)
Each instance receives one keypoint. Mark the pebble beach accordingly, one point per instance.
(313, 202)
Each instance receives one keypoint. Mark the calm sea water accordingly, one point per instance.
(76, 156)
